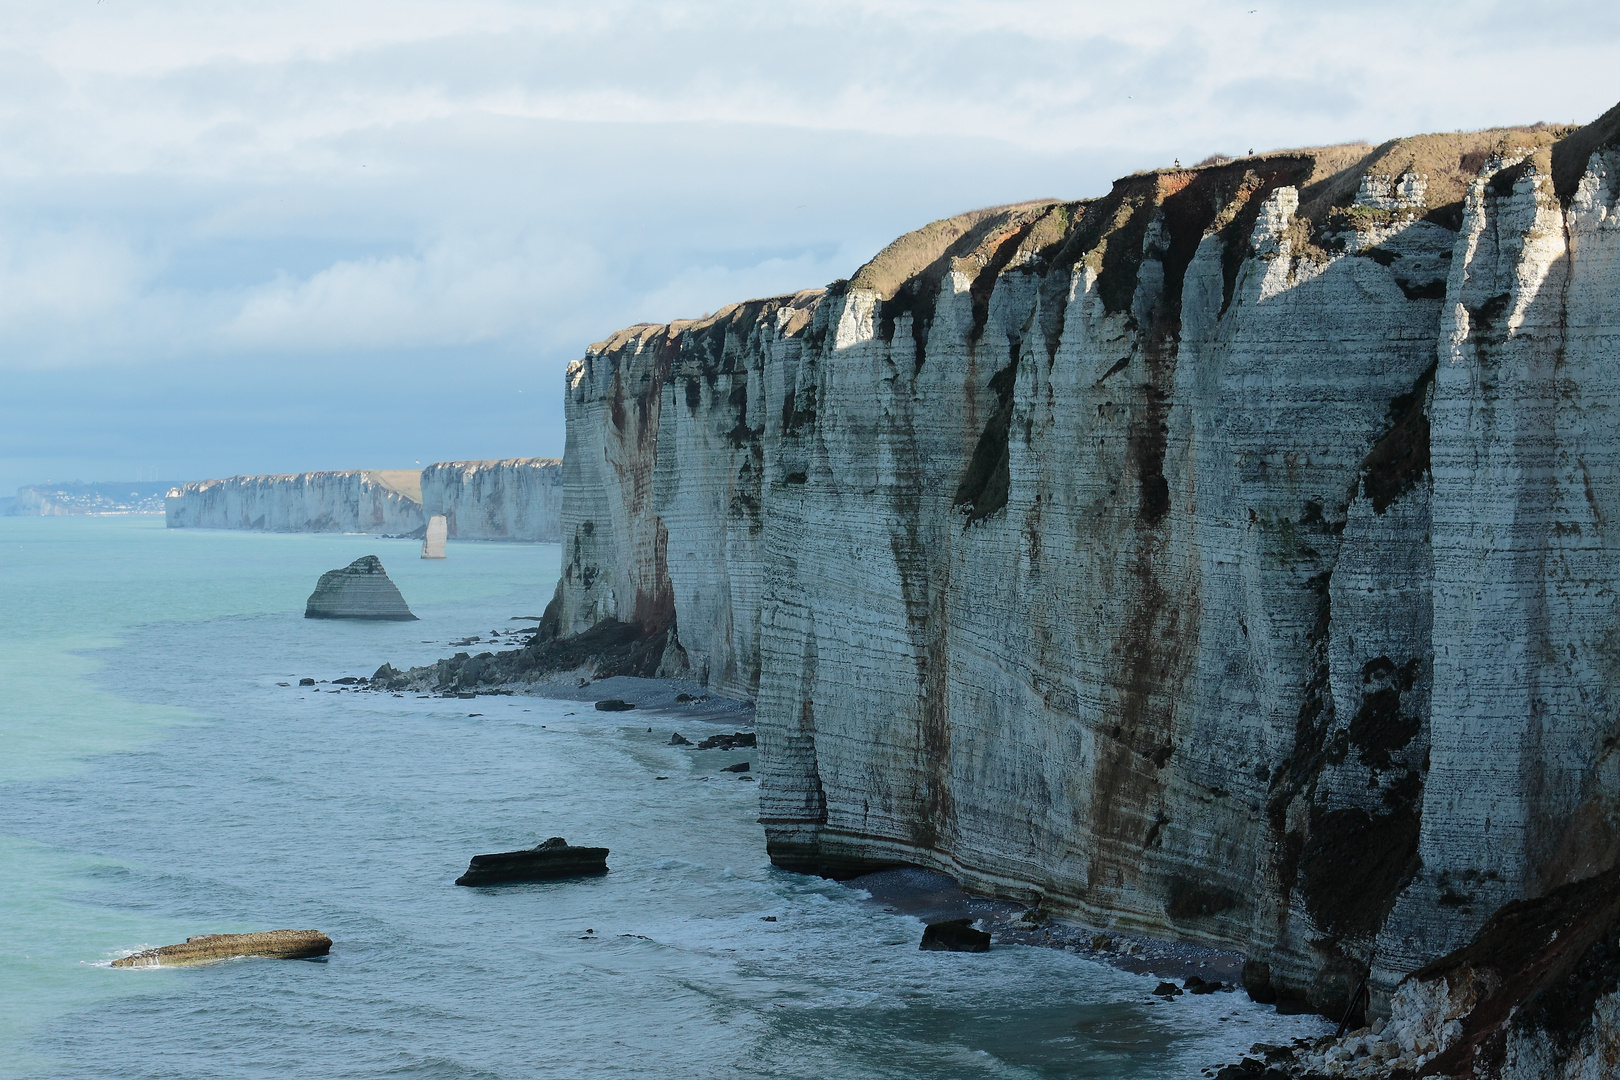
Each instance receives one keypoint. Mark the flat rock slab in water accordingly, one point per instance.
(957, 935)
(551, 860)
(360, 590)
(279, 944)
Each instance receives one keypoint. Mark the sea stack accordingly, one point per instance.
(433, 540)
(360, 590)
(278, 944)
(546, 862)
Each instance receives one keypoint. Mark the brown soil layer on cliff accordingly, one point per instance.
(406, 482)
(908, 257)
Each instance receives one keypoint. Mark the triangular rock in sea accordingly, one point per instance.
(360, 590)
(433, 542)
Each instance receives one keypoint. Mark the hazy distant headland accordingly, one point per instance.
(79, 499)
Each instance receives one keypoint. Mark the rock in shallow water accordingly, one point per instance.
(613, 705)
(279, 944)
(729, 742)
(549, 861)
(360, 590)
(955, 935)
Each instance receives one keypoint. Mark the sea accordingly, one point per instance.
(163, 775)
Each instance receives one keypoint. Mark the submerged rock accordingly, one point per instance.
(613, 705)
(954, 935)
(360, 590)
(546, 862)
(677, 739)
(279, 944)
(741, 766)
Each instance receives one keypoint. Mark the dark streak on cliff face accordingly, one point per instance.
(987, 246)
(1400, 459)
(983, 489)
(1383, 725)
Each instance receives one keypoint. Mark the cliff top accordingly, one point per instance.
(793, 312)
(916, 251)
(1342, 188)
(487, 463)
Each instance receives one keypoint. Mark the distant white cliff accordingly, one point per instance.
(352, 500)
(514, 499)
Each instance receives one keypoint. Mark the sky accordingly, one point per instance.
(250, 237)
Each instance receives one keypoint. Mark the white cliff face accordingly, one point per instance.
(514, 499)
(1092, 552)
(354, 501)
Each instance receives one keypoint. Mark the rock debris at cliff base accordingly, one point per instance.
(1230, 558)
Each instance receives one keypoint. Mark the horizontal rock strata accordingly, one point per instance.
(351, 501)
(1229, 558)
(514, 499)
(361, 590)
(279, 944)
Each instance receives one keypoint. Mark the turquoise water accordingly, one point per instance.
(156, 782)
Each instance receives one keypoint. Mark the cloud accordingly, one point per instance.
(460, 291)
(195, 193)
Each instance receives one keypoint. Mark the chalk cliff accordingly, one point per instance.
(1231, 557)
(514, 499)
(351, 500)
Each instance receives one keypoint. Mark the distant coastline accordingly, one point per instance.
(80, 499)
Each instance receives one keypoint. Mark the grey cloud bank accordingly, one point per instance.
(342, 235)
